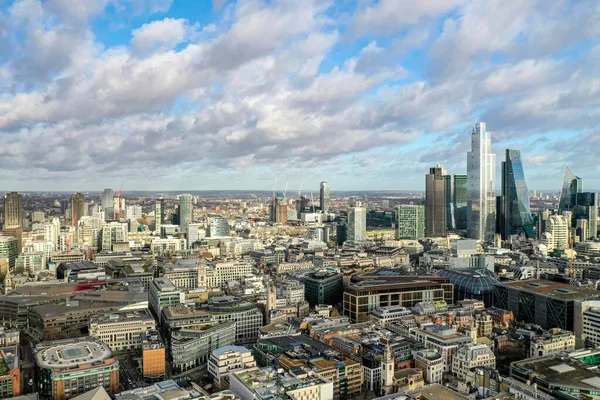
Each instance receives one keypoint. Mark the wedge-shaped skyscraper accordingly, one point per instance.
(516, 210)
(572, 185)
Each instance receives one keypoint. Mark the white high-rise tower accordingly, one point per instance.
(481, 186)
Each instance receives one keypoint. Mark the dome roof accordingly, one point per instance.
(473, 280)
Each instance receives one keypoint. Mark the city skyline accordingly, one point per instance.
(229, 96)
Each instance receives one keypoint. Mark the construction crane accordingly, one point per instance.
(118, 208)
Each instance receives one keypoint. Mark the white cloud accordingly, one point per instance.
(164, 35)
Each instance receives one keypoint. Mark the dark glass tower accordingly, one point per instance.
(435, 202)
(585, 206)
(572, 185)
(456, 201)
(516, 211)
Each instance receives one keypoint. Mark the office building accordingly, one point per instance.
(160, 214)
(163, 293)
(364, 296)
(153, 355)
(185, 211)
(556, 234)
(185, 274)
(548, 304)
(218, 226)
(121, 331)
(167, 245)
(220, 272)
(411, 222)
(585, 208)
(17, 233)
(323, 287)
(30, 263)
(357, 224)
(432, 364)
(456, 202)
(113, 233)
(551, 342)
(324, 197)
(67, 368)
(78, 207)
(515, 214)
(446, 341)
(435, 202)
(13, 209)
(10, 367)
(469, 357)
(481, 186)
(248, 318)
(227, 359)
(264, 384)
(571, 185)
(107, 200)
(9, 248)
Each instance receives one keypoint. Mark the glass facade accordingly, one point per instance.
(474, 283)
(185, 211)
(571, 186)
(456, 202)
(411, 222)
(585, 206)
(481, 186)
(435, 202)
(516, 209)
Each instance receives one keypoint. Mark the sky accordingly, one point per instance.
(365, 94)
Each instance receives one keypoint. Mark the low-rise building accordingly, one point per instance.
(469, 357)
(432, 364)
(153, 355)
(10, 370)
(384, 315)
(67, 368)
(246, 315)
(163, 293)
(445, 341)
(551, 342)
(121, 331)
(227, 359)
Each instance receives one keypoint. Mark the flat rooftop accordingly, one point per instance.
(555, 290)
(117, 317)
(435, 392)
(164, 285)
(559, 372)
(221, 351)
(72, 354)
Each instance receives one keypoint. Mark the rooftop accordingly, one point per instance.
(435, 392)
(263, 382)
(164, 285)
(71, 354)
(552, 289)
(221, 351)
(559, 372)
(130, 316)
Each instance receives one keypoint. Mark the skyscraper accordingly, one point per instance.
(481, 186)
(324, 197)
(13, 209)
(185, 211)
(516, 211)
(571, 185)
(435, 202)
(585, 207)
(159, 214)
(456, 201)
(411, 222)
(108, 204)
(78, 207)
(357, 224)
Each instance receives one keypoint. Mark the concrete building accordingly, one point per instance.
(357, 224)
(68, 368)
(10, 366)
(121, 331)
(78, 208)
(384, 315)
(13, 209)
(552, 342)
(112, 233)
(220, 272)
(324, 197)
(185, 211)
(446, 341)
(470, 357)
(167, 245)
(153, 355)
(30, 263)
(163, 293)
(432, 364)
(246, 315)
(227, 359)
(264, 384)
(556, 234)
(184, 274)
(9, 248)
(410, 223)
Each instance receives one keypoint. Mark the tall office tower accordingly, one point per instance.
(357, 224)
(585, 207)
(481, 186)
(571, 185)
(411, 222)
(301, 205)
(456, 202)
(435, 202)
(185, 212)
(52, 232)
(13, 209)
(78, 207)
(159, 214)
(108, 204)
(515, 207)
(543, 217)
(324, 197)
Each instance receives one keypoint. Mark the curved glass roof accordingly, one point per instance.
(473, 280)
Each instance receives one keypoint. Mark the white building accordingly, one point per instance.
(481, 186)
(113, 232)
(134, 212)
(357, 224)
(160, 246)
(226, 359)
(556, 235)
(121, 331)
(222, 272)
(384, 315)
(432, 365)
(552, 342)
(471, 356)
(445, 341)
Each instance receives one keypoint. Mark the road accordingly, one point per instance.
(129, 376)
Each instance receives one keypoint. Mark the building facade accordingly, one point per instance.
(323, 288)
(411, 222)
(121, 331)
(481, 186)
(515, 215)
(357, 224)
(13, 209)
(435, 202)
(324, 197)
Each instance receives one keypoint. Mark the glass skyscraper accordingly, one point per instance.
(324, 197)
(572, 185)
(516, 210)
(585, 206)
(435, 202)
(481, 186)
(411, 222)
(456, 201)
(185, 211)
